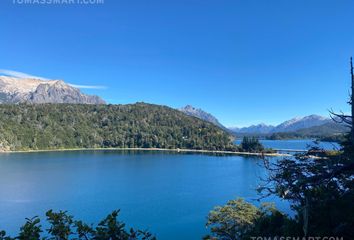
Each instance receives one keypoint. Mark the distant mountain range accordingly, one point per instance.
(291, 125)
(259, 128)
(31, 90)
(309, 126)
(312, 126)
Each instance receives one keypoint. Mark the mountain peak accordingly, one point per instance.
(314, 116)
(201, 114)
(301, 122)
(259, 128)
(191, 109)
(263, 125)
(32, 90)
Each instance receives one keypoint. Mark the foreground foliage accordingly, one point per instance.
(55, 126)
(241, 220)
(63, 227)
(320, 190)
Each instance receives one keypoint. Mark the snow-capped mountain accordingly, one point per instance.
(300, 123)
(291, 125)
(31, 90)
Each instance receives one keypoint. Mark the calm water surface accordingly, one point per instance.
(168, 193)
(297, 144)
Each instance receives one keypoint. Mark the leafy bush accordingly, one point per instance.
(64, 227)
(241, 220)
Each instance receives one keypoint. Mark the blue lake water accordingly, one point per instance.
(297, 144)
(168, 193)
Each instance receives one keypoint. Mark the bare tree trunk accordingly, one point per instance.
(305, 215)
(352, 100)
(348, 120)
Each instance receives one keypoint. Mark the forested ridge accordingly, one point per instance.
(140, 125)
(331, 131)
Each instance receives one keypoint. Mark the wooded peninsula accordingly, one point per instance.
(69, 126)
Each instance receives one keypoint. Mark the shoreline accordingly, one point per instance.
(150, 149)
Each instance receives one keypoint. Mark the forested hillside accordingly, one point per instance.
(329, 131)
(56, 126)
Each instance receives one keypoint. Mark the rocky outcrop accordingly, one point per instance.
(201, 114)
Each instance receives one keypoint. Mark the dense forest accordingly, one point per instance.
(140, 125)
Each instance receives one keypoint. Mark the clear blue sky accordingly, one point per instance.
(243, 61)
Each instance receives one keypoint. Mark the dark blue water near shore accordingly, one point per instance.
(168, 193)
